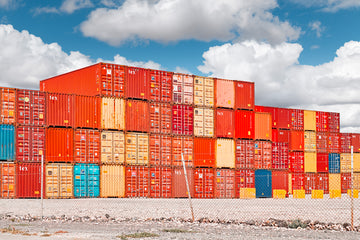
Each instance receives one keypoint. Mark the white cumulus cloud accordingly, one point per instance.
(174, 20)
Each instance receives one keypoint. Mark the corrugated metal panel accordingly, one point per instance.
(296, 140)
(112, 182)
(262, 155)
(59, 180)
(204, 152)
(244, 178)
(182, 119)
(280, 180)
(322, 182)
(225, 123)
(160, 86)
(137, 116)
(298, 181)
(86, 180)
(334, 163)
(7, 180)
(310, 141)
(345, 142)
(225, 153)
(160, 150)
(30, 144)
(160, 118)
(296, 161)
(87, 112)
(263, 126)
(160, 182)
(28, 180)
(282, 118)
(345, 162)
(244, 95)
(310, 182)
(322, 121)
(137, 84)
(322, 162)
(7, 142)
(203, 91)
(30, 107)
(225, 93)
(309, 120)
(112, 113)
(224, 183)
(59, 145)
(280, 156)
(203, 122)
(310, 162)
(184, 146)
(183, 89)
(244, 154)
(297, 119)
(356, 162)
(112, 147)
(137, 181)
(204, 183)
(87, 146)
(59, 109)
(244, 124)
(322, 142)
(137, 148)
(281, 135)
(355, 141)
(345, 182)
(179, 188)
(334, 181)
(334, 142)
(263, 183)
(334, 122)
(7, 106)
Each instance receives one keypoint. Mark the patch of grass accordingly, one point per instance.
(297, 223)
(175, 230)
(138, 235)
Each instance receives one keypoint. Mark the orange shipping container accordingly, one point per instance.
(137, 181)
(30, 107)
(225, 183)
(263, 126)
(182, 146)
(203, 91)
(137, 83)
(112, 182)
(225, 93)
(7, 105)
(179, 188)
(204, 183)
(112, 113)
(160, 86)
(262, 154)
(7, 180)
(137, 148)
(87, 112)
(112, 147)
(137, 116)
(183, 87)
(204, 152)
(160, 182)
(296, 140)
(160, 150)
(160, 118)
(59, 145)
(244, 95)
(59, 109)
(87, 146)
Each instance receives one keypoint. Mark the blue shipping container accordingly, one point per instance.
(7, 142)
(86, 180)
(334, 163)
(263, 183)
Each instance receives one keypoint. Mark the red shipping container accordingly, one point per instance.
(225, 123)
(297, 119)
(298, 181)
(345, 182)
(59, 145)
(345, 142)
(281, 117)
(334, 122)
(160, 182)
(262, 155)
(7, 105)
(280, 180)
(296, 162)
(160, 86)
(87, 112)
(59, 109)
(281, 135)
(179, 188)
(7, 180)
(355, 141)
(258, 108)
(322, 182)
(322, 142)
(244, 178)
(137, 83)
(160, 150)
(204, 183)
(244, 95)
(183, 88)
(28, 180)
(322, 162)
(244, 124)
(30, 107)
(87, 146)
(263, 129)
(334, 142)
(137, 181)
(182, 146)
(182, 119)
(280, 155)
(322, 121)
(204, 152)
(244, 153)
(30, 144)
(310, 182)
(224, 93)
(160, 118)
(296, 140)
(137, 114)
(101, 79)
(225, 183)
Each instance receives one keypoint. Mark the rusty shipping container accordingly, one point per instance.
(225, 123)
(296, 162)
(112, 182)
(7, 180)
(160, 86)
(160, 150)
(160, 182)
(345, 142)
(182, 146)
(322, 121)
(204, 183)
(87, 146)
(101, 79)
(179, 188)
(112, 113)
(322, 142)
(244, 95)
(137, 116)
(59, 180)
(87, 112)
(204, 152)
(30, 107)
(355, 141)
(296, 140)
(28, 180)
(280, 156)
(137, 83)
(224, 93)
(334, 122)
(203, 91)
(160, 118)
(281, 135)
(30, 144)
(224, 183)
(244, 154)
(137, 181)
(297, 119)
(8, 106)
(244, 178)
(182, 120)
(334, 142)
(183, 89)
(263, 126)
(225, 153)
(310, 141)
(112, 144)
(60, 110)
(59, 145)
(203, 122)
(244, 124)
(262, 155)
(137, 148)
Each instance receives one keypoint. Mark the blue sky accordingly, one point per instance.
(299, 53)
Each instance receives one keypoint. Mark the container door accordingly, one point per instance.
(263, 184)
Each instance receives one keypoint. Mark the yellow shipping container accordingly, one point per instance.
(59, 180)
(310, 162)
(137, 148)
(225, 153)
(335, 181)
(279, 193)
(204, 91)
(299, 194)
(335, 193)
(246, 193)
(317, 194)
(345, 162)
(309, 120)
(112, 147)
(112, 182)
(310, 141)
(203, 122)
(112, 113)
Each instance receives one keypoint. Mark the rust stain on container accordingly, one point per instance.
(225, 93)
(137, 148)
(183, 89)
(87, 146)
(30, 107)
(203, 91)
(137, 116)
(112, 147)
(203, 122)
(59, 180)
(112, 182)
(184, 146)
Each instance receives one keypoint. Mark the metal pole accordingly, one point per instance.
(352, 188)
(42, 186)
(188, 188)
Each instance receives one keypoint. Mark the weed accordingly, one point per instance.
(138, 235)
